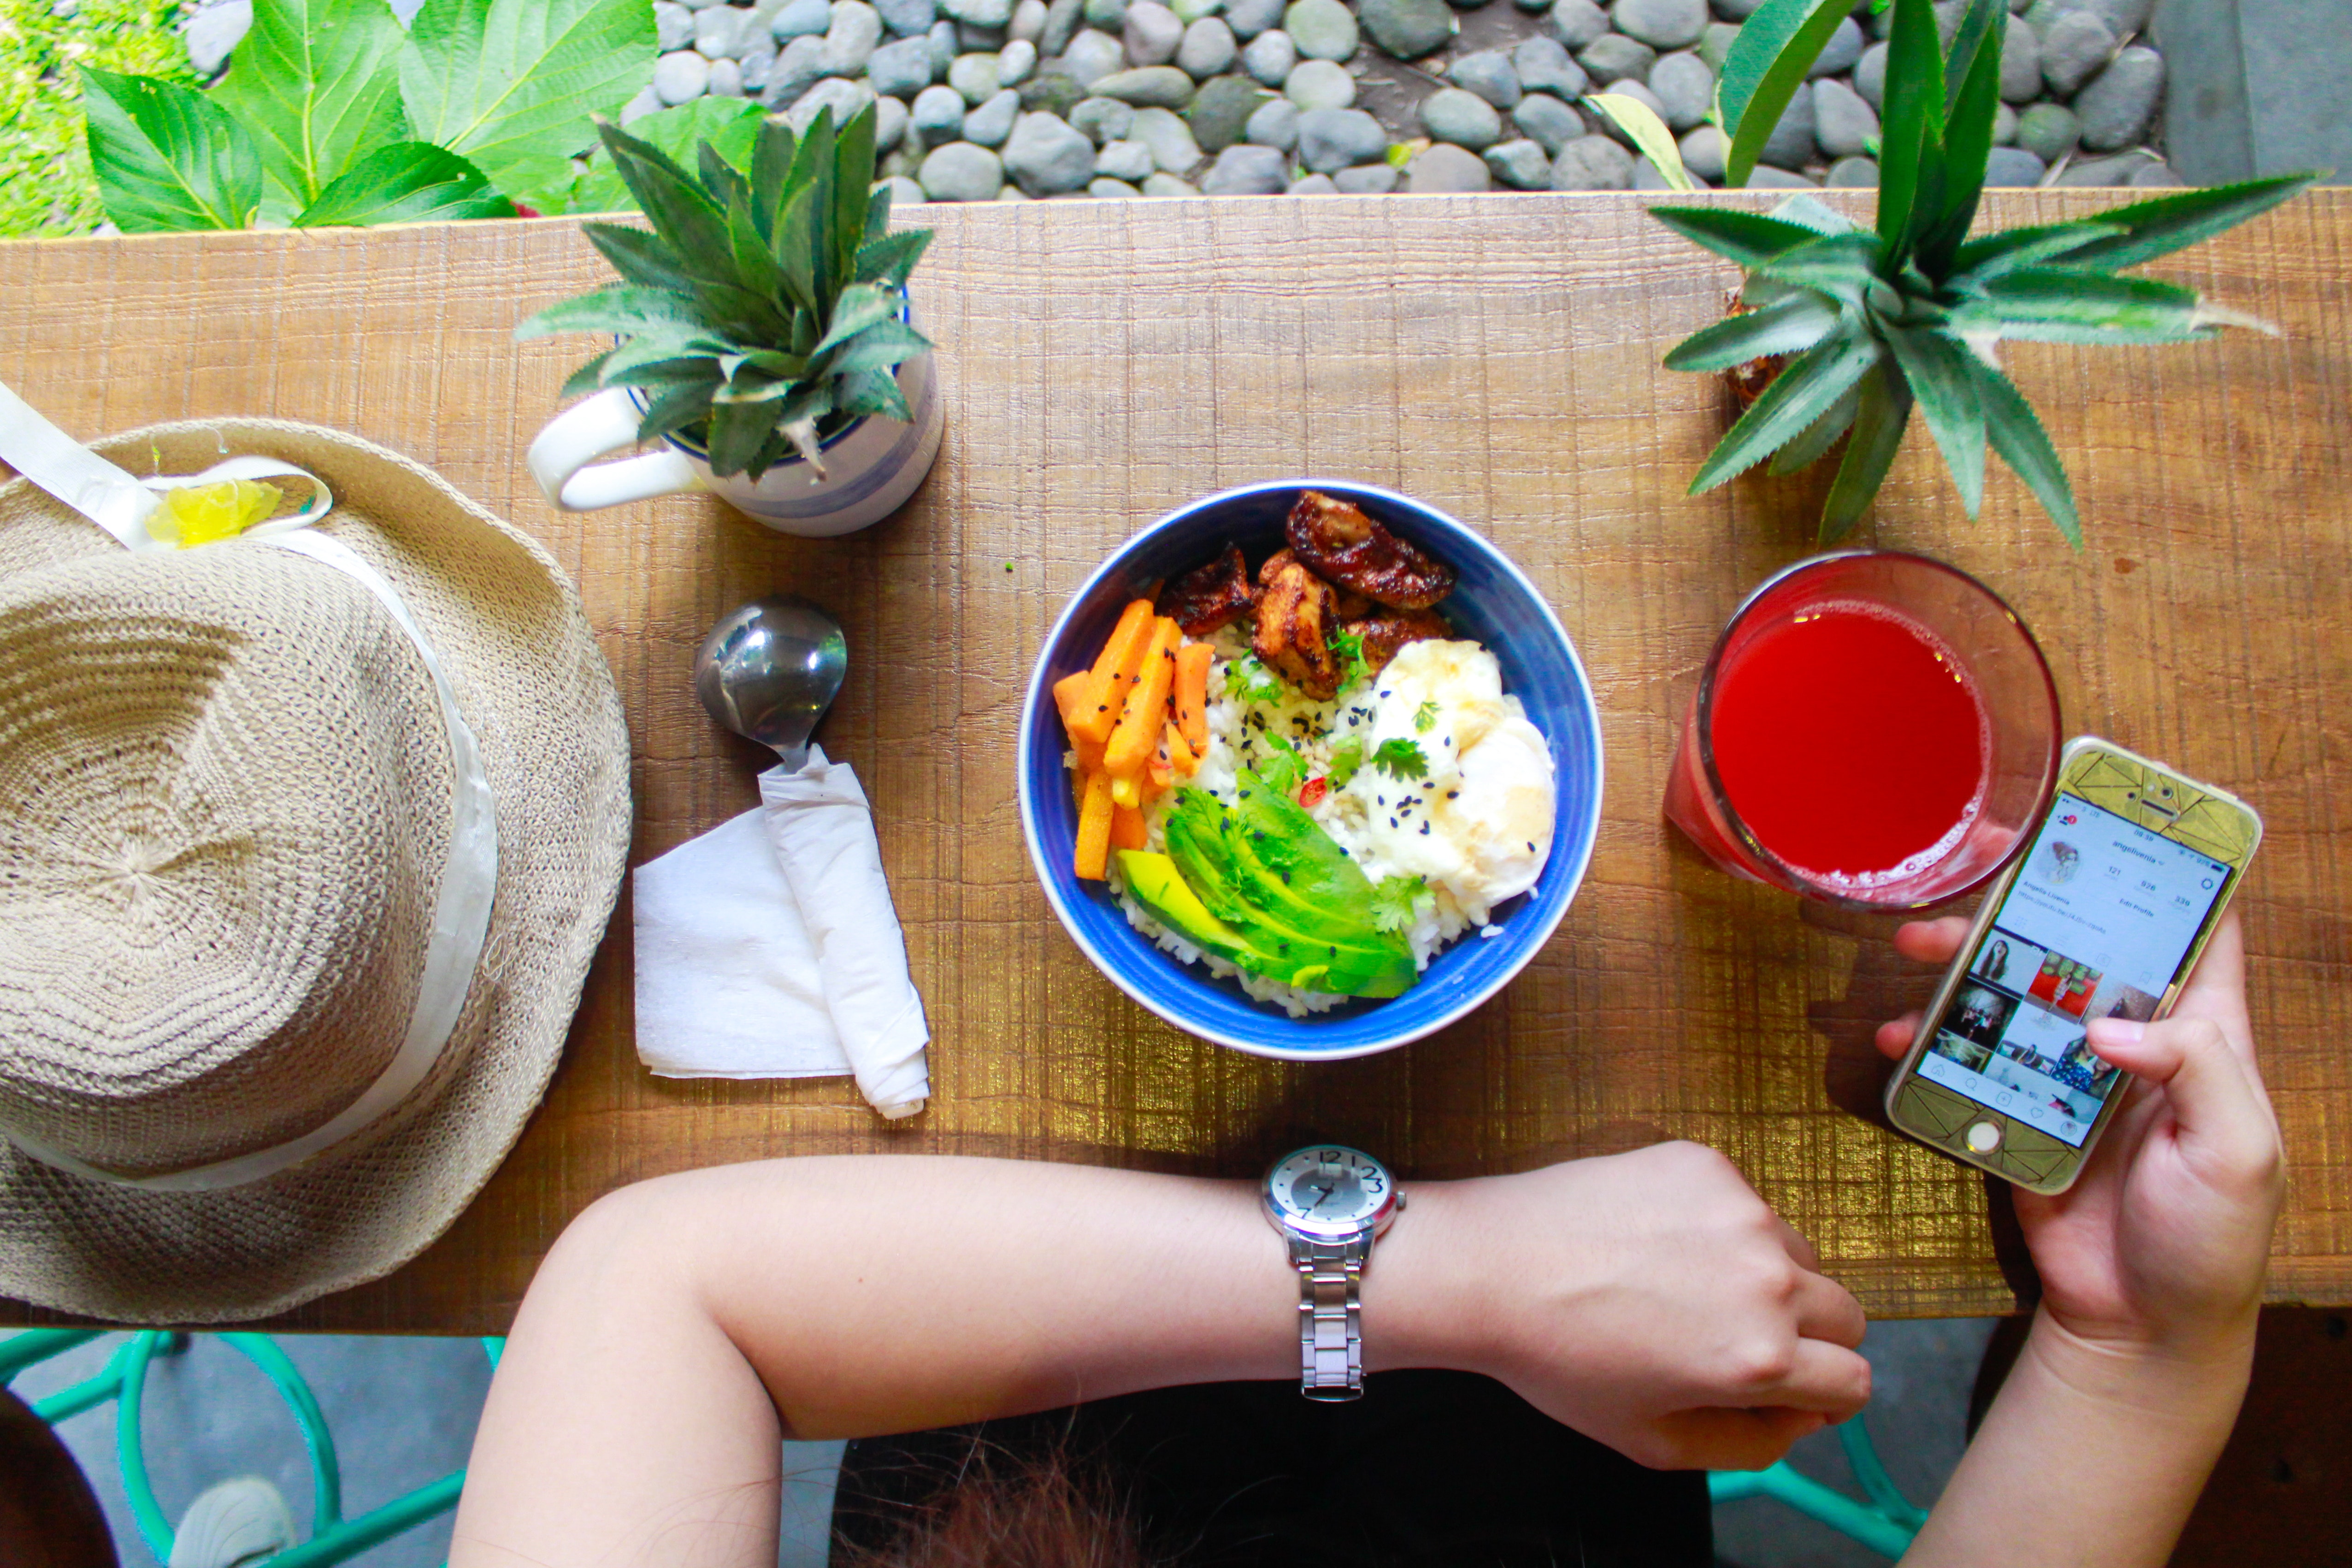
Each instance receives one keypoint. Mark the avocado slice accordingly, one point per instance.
(1162, 890)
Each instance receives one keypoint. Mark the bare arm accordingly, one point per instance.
(2152, 1268)
(679, 1327)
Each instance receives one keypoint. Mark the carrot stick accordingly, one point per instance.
(1114, 673)
(1094, 829)
(1146, 713)
(1191, 698)
(1070, 697)
(1127, 829)
(1182, 759)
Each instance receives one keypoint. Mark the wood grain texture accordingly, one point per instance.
(1497, 356)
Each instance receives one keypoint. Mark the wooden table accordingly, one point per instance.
(1497, 356)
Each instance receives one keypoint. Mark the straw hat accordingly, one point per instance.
(228, 798)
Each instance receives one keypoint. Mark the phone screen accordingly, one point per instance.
(2095, 925)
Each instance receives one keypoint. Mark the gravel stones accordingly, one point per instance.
(1062, 20)
(680, 76)
(1028, 24)
(1046, 157)
(937, 115)
(836, 95)
(1330, 140)
(1543, 65)
(890, 118)
(990, 124)
(1520, 163)
(1790, 145)
(1660, 24)
(1314, 185)
(2013, 166)
(1705, 153)
(1593, 163)
(904, 192)
(1207, 49)
(215, 33)
(1091, 57)
(1152, 32)
(961, 171)
(1715, 45)
(2021, 63)
(798, 68)
(1852, 174)
(1169, 139)
(673, 25)
(2076, 44)
(1368, 180)
(726, 79)
(1552, 123)
(1490, 74)
(719, 32)
(974, 76)
(1841, 52)
(1614, 57)
(1222, 108)
(1684, 89)
(1159, 87)
(1869, 76)
(1445, 168)
(1245, 170)
(903, 19)
(978, 13)
(1450, 114)
(944, 47)
(1319, 84)
(1248, 18)
(2048, 131)
(1322, 29)
(1051, 92)
(1405, 28)
(1842, 123)
(1129, 161)
(1015, 61)
(1639, 94)
(1270, 56)
(902, 68)
(1101, 121)
(2115, 108)
(1169, 185)
(1276, 124)
(1575, 22)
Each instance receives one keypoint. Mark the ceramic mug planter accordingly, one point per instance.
(870, 467)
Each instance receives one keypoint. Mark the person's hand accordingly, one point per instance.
(1652, 1301)
(2161, 1243)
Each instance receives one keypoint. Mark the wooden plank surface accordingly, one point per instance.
(1497, 356)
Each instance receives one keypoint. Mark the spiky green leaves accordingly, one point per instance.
(766, 307)
(1910, 312)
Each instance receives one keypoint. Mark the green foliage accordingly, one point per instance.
(1394, 900)
(331, 113)
(1649, 135)
(764, 309)
(46, 183)
(1910, 312)
(730, 124)
(1401, 759)
(1767, 64)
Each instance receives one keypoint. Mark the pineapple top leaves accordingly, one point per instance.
(1909, 312)
(764, 307)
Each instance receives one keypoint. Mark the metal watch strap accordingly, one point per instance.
(1330, 1312)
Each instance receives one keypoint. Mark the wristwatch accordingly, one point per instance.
(1330, 1203)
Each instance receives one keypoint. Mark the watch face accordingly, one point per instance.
(1330, 1189)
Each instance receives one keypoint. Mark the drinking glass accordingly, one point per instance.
(1997, 654)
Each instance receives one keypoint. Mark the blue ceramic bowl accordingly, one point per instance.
(1493, 602)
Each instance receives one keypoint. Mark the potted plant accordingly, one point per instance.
(1864, 324)
(762, 336)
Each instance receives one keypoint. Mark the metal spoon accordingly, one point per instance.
(769, 670)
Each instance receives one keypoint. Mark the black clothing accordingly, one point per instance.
(1429, 1469)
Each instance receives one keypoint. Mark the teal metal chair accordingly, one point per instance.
(333, 1537)
(1885, 1522)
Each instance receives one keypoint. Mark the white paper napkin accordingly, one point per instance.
(769, 948)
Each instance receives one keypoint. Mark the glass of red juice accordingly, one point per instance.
(1873, 729)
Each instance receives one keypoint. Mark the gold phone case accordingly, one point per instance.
(2197, 815)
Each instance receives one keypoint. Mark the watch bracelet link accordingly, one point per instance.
(1330, 1318)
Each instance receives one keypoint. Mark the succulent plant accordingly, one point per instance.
(764, 310)
(1912, 311)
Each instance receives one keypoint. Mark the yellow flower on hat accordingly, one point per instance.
(202, 514)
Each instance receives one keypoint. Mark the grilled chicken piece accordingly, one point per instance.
(1209, 596)
(1384, 633)
(1349, 549)
(1293, 627)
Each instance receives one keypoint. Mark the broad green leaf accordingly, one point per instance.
(1883, 408)
(622, 309)
(1913, 121)
(1797, 397)
(2059, 305)
(317, 83)
(639, 256)
(1767, 64)
(738, 430)
(408, 182)
(674, 407)
(1789, 325)
(2012, 248)
(1841, 265)
(861, 305)
(874, 392)
(889, 259)
(513, 85)
(852, 187)
(1936, 369)
(1967, 143)
(728, 124)
(2016, 434)
(2165, 224)
(166, 156)
(1819, 436)
(1640, 122)
(1745, 237)
(1980, 35)
(681, 210)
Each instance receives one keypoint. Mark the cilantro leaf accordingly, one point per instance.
(1347, 757)
(1257, 683)
(1283, 771)
(1425, 718)
(1393, 899)
(1354, 668)
(1401, 759)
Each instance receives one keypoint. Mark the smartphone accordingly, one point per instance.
(2122, 881)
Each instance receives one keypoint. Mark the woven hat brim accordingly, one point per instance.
(510, 631)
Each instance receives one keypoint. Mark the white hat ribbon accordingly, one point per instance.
(121, 504)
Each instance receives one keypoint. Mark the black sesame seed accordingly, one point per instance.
(1425, 830)
(1531, 846)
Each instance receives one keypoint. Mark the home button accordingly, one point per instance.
(1983, 1138)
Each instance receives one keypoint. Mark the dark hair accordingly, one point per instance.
(1006, 1510)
